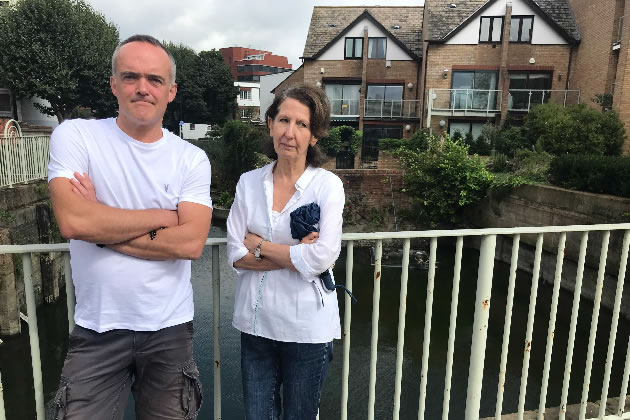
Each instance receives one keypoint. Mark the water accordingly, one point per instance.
(17, 379)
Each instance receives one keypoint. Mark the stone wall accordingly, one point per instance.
(534, 205)
(26, 218)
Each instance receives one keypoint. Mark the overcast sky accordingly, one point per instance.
(279, 26)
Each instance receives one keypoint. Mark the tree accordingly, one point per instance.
(205, 88)
(60, 51)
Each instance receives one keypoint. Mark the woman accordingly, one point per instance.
(286, 318)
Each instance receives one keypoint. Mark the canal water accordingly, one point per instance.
(18, 383)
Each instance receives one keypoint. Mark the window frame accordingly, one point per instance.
(377, 50)
(490, 29)
(245, 95)
(352, 56)
(520, 19)
(8, 113)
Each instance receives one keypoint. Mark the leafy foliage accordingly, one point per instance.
(236, 152)
(443, 179)
(340, 137)
(510, 140)
(576, 129)
(419, 142)
(598, 174)
(205, 88)
(60, 51)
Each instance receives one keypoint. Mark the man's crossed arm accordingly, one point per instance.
(81, 216)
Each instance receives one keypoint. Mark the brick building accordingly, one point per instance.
(368, 60)
(248, 64)
(485, 60)
(602, 64)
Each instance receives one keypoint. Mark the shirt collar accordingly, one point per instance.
(303, 181)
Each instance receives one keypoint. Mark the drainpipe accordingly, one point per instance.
(504, 79)
(363, 94)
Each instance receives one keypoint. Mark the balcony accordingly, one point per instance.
(391, 108)
(617, 43)
(465, 102)
(345, 108)
(522, 100)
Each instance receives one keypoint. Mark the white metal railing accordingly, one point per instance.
(488, 238)
(391, 108)
(23, 159)
(524, 99)
(457, 101)
(345, 107)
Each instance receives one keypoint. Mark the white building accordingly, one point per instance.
(248, 100)
(192, 131)
(267, 84)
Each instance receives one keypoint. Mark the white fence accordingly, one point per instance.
(23, 159)
(472, 397)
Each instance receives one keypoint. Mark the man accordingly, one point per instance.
(135, 201)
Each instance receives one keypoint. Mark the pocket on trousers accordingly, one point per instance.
(192, 394)
(57, 407)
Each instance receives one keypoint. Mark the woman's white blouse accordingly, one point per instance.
(285, 305)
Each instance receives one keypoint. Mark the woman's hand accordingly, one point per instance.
(311, 238)
(82, 186)
(251, 241)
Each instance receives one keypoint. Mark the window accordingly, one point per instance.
(192, 126)
(246, 95)
(491, 29)
(521, 29)
(372, 134)
(354, 48)
(474, 90)
(377, 47)
(528, 89)
(6, 108)
(344, 99)
(465, 127)
(384, 101)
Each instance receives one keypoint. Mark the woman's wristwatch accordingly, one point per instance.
(257, 250)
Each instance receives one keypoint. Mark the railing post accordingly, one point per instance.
(33, 335)
(347, 319)
(216, 302)
(70, 298)
(480, 326)
(429, 107)
(376, 298)
(529, 101)
(564, 104)
(402, 310)
(2, 413)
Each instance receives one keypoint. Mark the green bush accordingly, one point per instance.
(576, 129)
(418, 142)
(443, 179)
(236, 152)
(511, 139)
(598, 174)
(533, 166)
(225, 200)
(339, 137)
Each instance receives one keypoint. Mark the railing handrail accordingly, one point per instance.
(466, 89)
(543, 90)
(35, 248)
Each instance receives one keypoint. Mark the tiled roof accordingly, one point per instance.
(328, 22)
(442, 19)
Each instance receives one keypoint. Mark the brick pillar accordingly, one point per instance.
(364, 62)
(504, 79)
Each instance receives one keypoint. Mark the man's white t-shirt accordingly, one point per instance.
(113, 290)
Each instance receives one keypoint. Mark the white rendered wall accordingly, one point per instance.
(255, 89)
(198, 133)
(269, 82)
(542, 32)
(30, 114)
(336, 51)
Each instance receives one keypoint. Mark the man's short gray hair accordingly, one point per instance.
(149, 40)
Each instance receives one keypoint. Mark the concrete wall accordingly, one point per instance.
(551, 206)
(25, 218)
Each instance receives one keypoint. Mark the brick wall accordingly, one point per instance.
(375, 185)
(622, 84)
(596, 20)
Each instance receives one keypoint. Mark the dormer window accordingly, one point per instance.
(521, 29)
(377, 47)
(354, 48)
(491, 29)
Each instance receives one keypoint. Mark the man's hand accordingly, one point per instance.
(83, 187)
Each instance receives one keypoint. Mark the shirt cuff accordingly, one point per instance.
(298, 261)
(236, 255)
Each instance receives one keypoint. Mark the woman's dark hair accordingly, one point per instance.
(317, 102)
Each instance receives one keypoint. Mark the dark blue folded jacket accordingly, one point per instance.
(303, 221)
